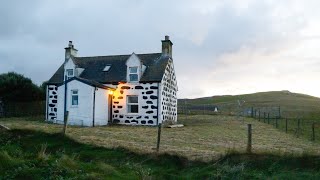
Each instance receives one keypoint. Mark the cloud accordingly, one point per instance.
(220, 47)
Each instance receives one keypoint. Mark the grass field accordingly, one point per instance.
(208, 147)
(28, 154)
(292, 105)
(204, 137)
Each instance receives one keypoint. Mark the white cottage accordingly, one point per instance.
(136, 89)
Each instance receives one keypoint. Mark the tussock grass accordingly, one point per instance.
(203, 138)
(70, 159)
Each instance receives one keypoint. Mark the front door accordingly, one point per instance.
(110, 109)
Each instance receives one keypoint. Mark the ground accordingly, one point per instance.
(204, 137)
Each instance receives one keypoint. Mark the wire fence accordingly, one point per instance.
(301, 124)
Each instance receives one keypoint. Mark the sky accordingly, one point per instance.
(219, 47)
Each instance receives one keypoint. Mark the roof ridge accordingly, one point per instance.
(115, 55)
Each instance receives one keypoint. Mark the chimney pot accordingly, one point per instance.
(70, 44)
(167, 46)
(70, 51)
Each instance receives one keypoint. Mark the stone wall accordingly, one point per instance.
(148, 104)
(169, 95)
(52, 102)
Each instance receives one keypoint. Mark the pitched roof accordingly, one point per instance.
(93, 68)
(90, 82)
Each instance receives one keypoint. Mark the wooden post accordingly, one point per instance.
(65, 122)
(252, 112)
(268, 118)
(313, 133)
(298, 130)
(259, 115)
(159, 135)
(286, 125)
(264, 117)
(249, 145)
(204, 109)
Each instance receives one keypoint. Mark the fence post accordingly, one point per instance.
(259, 114)
(204, 109)
(286, 125)
(264, 117)
(313, 133)
(159, 135)
(279, 112)
(268, 118)
(65, 122)
(252, 112)
(249, 145)
(298, 130)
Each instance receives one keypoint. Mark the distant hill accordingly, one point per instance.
(291, 104)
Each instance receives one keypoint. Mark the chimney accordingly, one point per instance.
(167, 46)
(70, 51)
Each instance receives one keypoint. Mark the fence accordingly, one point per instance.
(295, 122)
(18, 109)
(298, 126)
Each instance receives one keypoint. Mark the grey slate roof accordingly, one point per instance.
(93, 68)
(89, 82)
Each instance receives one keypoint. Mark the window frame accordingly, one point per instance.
(67, 73)
(133, 73)
(74, 95)
(129, 104)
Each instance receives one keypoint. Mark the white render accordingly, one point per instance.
(100, 103)
(82, 114)
(148, 104)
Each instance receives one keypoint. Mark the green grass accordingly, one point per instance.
(298, 127)
(204, 137)
(29, 154)
(292, 104)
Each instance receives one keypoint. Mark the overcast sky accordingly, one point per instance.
(219, 47)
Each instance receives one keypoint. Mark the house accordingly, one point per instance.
(134, 89)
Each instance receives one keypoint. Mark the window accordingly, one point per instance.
(133, 74)
(69, 73)
(74, 98)
(106, 69)
(132, 104)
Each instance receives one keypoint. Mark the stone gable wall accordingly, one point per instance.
(52, 102)
(169, 95)
(148, 104)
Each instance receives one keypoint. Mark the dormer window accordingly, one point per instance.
(69, 73)
(106, 69)
(133, 74)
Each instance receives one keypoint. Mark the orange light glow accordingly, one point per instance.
(110, 92)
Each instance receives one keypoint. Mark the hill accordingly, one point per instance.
(291, 105)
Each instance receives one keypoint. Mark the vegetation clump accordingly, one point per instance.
(27, 154)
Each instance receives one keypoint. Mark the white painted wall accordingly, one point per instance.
(101, 107)
(69, 65)
(148, 104)
(82, 115)
(134, 61)
(60, 105)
